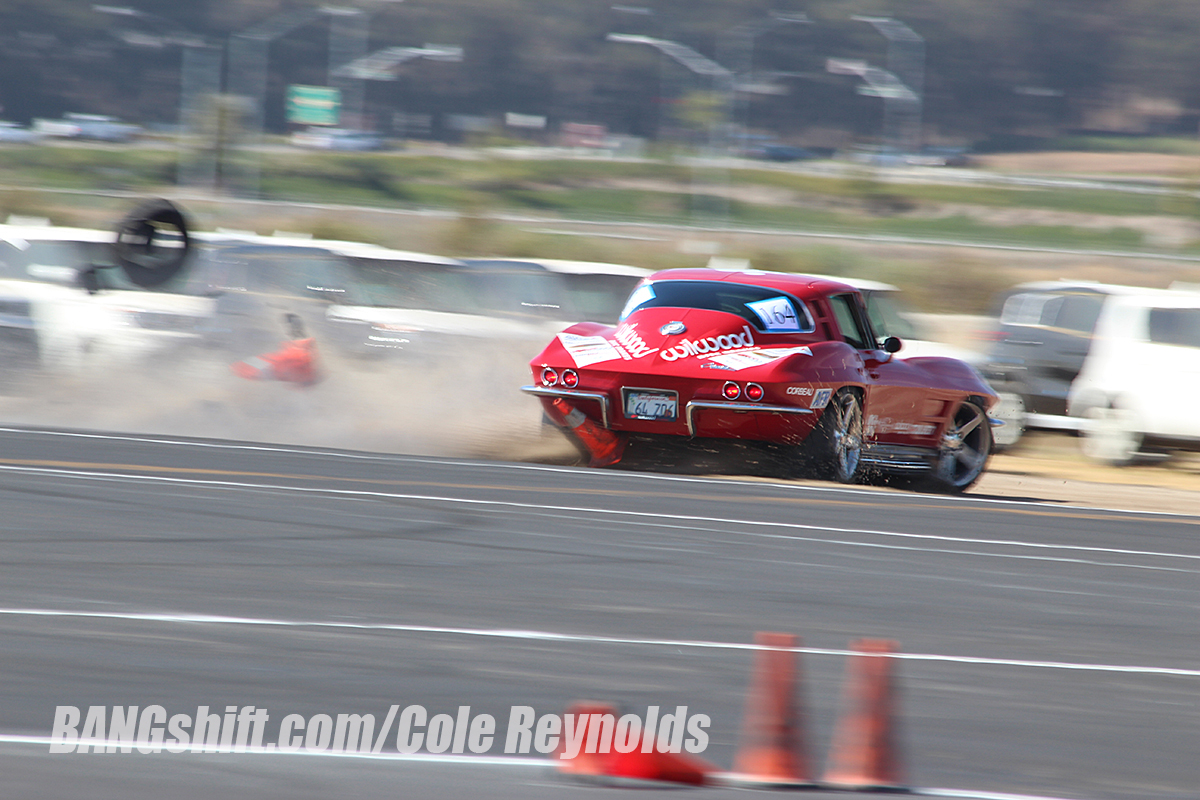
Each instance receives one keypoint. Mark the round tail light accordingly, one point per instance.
(549, 376)
(570, 378)
(731, 390)
(754, 392)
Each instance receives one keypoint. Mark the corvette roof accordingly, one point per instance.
(800, 285)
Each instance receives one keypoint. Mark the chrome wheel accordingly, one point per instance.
(965, 448)
(833, 450)
(847, 430)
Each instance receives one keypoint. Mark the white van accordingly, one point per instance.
(1137, 388)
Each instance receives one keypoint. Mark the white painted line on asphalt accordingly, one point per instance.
(611, 474)
(267, 448)
(550, 636)
(733, 523)
(271, 750)
(968, 794)
(425, 758)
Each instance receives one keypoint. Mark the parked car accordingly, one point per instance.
(61, 325)
(12, 133)
(97, 127)
(782, 153)
(252, 284)
(887, 156)
(232, 296)
(1132, 395)
(788, 361)
(1043, 336)
(574, 291)
(344, 294)
(347, 139)
(428, 304)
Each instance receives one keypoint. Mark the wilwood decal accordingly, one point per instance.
(713, 344)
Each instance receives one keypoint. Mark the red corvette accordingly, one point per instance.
(784, 359)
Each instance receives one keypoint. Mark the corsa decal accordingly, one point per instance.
(713, 344)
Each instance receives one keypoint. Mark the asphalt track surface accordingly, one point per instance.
(1045, 651)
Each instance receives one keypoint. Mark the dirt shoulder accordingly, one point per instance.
(1003, 485)
(1160, 165)
(1048, 467)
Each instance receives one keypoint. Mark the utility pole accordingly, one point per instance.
(199, 84)
(905, 60)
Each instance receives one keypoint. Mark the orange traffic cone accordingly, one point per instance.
(610, 766)
(604, 446)
(773, 750)
(295, 362)
(865, 752)
(585, 765)
(659, 766)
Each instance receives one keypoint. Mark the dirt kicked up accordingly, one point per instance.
(470, 406)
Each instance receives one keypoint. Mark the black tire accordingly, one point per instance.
(1110, 435)
(965, 449)
(152, 243)
(833, 451)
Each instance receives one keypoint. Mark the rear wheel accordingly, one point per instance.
(833, 450)
(1109, 436)
(965, 448)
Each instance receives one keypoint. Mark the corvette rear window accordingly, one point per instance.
(766, 309)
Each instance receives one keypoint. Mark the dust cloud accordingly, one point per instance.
(465, 401)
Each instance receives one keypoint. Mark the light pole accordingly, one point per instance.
(199, 80)
(248, 60)
(723, 87)
(736, 47)
(381, 65)
(906, 61)
(883, 84)
(347, 42)
(248, 51)
(348, 38)
(171, 32)
(722, 78)
(665, 90)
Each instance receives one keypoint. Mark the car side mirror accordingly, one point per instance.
(89, 280)
(892, 344)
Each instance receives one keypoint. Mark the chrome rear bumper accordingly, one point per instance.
(695, 405)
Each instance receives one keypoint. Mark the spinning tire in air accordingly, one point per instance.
(152, 243)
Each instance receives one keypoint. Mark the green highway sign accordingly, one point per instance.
(313, 105)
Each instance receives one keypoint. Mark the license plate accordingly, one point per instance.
(651, 405)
